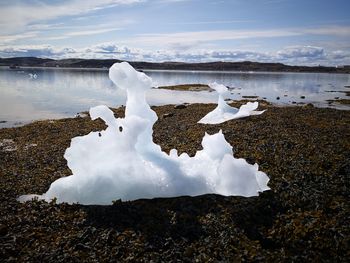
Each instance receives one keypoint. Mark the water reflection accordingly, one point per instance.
(234, 78)
(288, 87)
(44, 93)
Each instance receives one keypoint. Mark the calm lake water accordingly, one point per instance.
(30, 94)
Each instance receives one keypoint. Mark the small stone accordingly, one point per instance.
(81, 246)
(180, 106)
(309, 105)
(81, 115)
(27, 146)
(3, 230)
(189, 252)
(166, 115)
(8, 145)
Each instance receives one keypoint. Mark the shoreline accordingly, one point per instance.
(340, 105)
(304, 150)
(15, 62)
(176, 70)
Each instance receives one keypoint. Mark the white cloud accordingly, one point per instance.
(88, 32)
(340, 55)
(171, 1)
(339, 31)
(36, 51)
(212, 22)
(194, 38)
(11, 38)
(296, 52)
(15, 16)
(208, 36)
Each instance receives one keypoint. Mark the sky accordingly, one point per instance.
(294, 32)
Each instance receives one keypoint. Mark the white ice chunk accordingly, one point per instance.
(224, 112)
(123, 162)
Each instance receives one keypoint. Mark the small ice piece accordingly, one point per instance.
(8, 145)
(33, 76)
(224, 112)
(123, 162)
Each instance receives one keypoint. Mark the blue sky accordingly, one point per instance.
(297, 32)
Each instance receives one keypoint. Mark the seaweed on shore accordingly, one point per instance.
(339, 101)
(304, 150)
(187, 87)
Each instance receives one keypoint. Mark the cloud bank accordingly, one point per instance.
(292, 55)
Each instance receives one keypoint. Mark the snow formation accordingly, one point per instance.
(224, 112)
(123, 162)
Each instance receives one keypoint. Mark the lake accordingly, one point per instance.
(28, 94)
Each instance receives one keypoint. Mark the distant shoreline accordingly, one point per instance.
(167, 70)
(104, 64)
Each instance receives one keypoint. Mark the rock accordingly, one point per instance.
(81, 246)
(180, 106)
(8, 145)
(309, 106)
(277, 98)
(250, 97)
(3, 230)
(302, 97)
(166, 115)
(81, 115)
(29, 145)
(189, 252)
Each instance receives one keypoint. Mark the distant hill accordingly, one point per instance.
(217, 66)
(24, 61)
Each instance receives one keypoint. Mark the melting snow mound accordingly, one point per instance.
(223, 112)
(123, 162)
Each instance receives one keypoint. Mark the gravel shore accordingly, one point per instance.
(304, 218)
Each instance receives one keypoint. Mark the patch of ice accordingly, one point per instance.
(29, 145)
(123, 162)
(33, 76)
(8, 145)
(224, 112)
